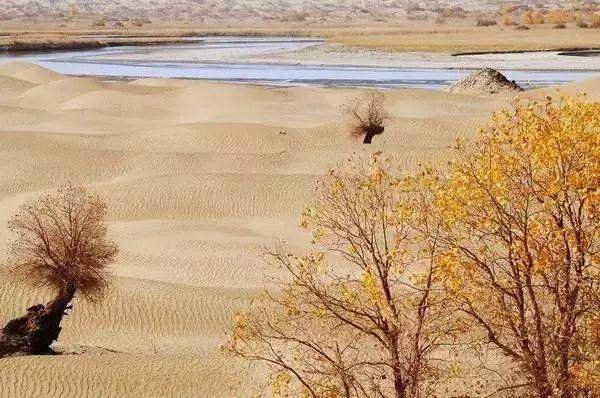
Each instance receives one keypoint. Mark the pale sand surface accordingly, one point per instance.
(197, 178)
(317, 54)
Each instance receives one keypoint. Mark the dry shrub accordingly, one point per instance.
(532, 18)
(60, 240)
(60, 243)
(581, 23)
(486, 22)
(368, 115)
(561, 16)
(506, 20)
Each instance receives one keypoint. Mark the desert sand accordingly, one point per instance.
(198, 177)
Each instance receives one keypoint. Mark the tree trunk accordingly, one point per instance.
(34, 333)
(399, 382)
(368, 138)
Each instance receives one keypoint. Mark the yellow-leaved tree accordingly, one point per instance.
(519, 246)
(362, 315)
(499, 252)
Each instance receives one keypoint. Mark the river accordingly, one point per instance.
(292, 61)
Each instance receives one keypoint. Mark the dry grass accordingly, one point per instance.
(410, 37)
(467, 39)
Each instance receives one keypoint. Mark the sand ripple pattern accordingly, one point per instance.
(198, 177)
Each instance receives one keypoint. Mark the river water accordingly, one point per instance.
(250, 60)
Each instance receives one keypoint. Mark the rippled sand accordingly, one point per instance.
(197, 176)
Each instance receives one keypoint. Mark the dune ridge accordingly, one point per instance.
(198, 176)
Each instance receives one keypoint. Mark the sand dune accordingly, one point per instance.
(29, 72)
(55, 92)
(198, 177)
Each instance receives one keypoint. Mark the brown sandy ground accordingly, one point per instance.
(198, 176)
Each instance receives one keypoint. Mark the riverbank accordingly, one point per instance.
(305, 62)
(453, 38)
(72, 44)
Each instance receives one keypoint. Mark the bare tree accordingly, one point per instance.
(368, 115)
(367, 325)
(60, 243)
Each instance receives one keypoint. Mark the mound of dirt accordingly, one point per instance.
(484, 81)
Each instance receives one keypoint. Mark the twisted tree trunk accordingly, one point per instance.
(34, 333)
(370, 132)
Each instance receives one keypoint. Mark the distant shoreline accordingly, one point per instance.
(122, 40)
(43, 46)
(571, 51)
(80, 42)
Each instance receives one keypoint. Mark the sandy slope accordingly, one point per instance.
(198, 176)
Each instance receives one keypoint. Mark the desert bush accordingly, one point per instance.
(99, 22)
(559, 26)
(368, 115)
(486, 22)
(521, 238)
(506, 20)
(532, 18)
(299, 16)
(580, 23)
(60, 243)
(595, 23)
(369, 325)
(561, 16)
(522, 27)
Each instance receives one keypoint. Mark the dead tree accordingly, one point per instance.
(368, 115)
(60, 243)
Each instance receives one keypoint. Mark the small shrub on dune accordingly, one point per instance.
(368, 115)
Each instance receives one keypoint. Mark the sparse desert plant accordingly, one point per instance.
(99, 22)
(368, 115)
(560, 26)
(595, 23)
(580, 23)
(299, 16)
(60, 243)
(506, 20)
(363, 314)
(486, 22)
(561, 16)
(520, 246)
(73, 11)
(532, 18)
